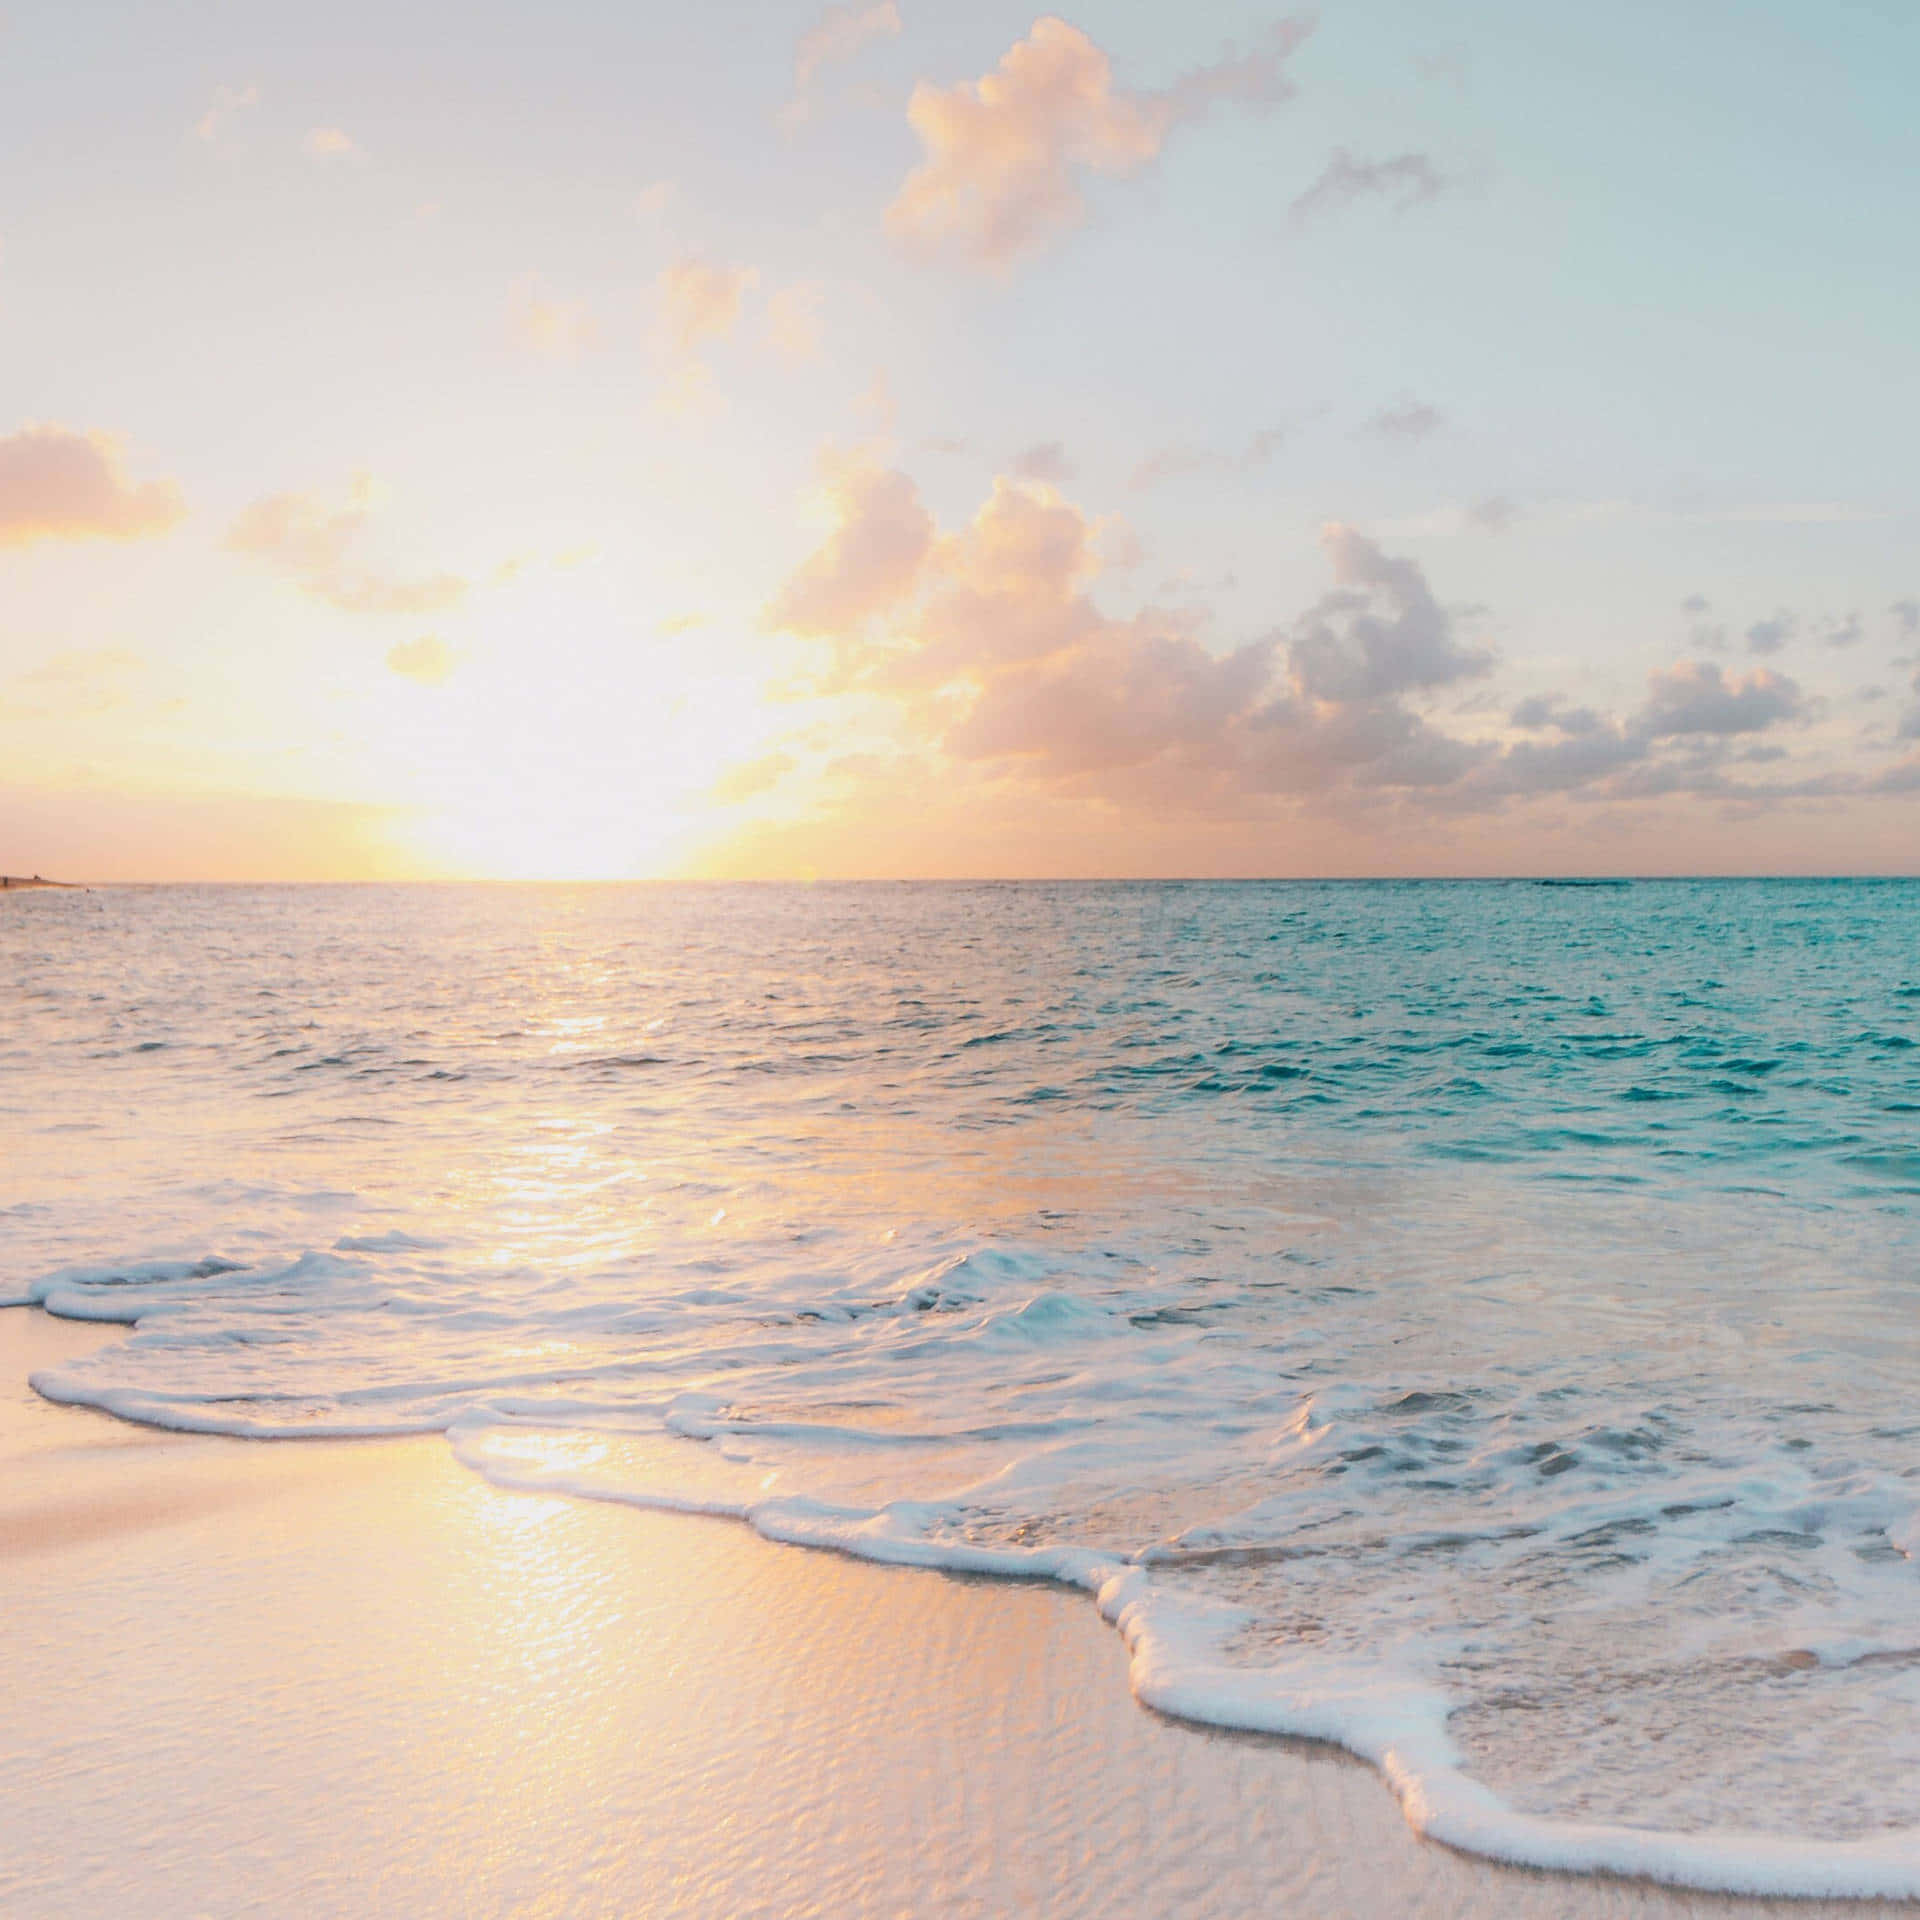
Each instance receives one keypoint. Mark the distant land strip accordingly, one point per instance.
(15, 883)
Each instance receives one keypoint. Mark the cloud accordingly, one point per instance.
(437, 593)
(1046, 461)
(990, 640)
(793, 322)
(835, 37)
(1677, 741)
(1494, 515)
(1696, 697)
(1549, 710)
(1447, 67)
(1696, 604)
(227, 101)
(653, 199)
(311, 542)
(1141, 706)
(427, 660)
(869, 564)
(1381, 632)
(989, 648)
(1005, 154)
(79, 681)
(1177, 461)
(1407, 179)
(1408, 420)
(562, 328)
(299, 534)
(753, 778)
(1010, 586)
(1769, 636)
(1905, 615)
(56, 484)
(700, 303)
(329, 143)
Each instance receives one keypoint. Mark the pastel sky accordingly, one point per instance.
(934, 438)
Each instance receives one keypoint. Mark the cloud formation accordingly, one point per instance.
(561, 328)
(836, 36)
(700, 303)
(227, 101)
(1493, 515)
(1045, 460)
(84, 680)
(869, 564)
(329, 143)
(752, 778)
(1696, 697)
(1005, 154)
(311, 542)
(1408, 421)
(989, 642)
(1177, 461)
(56, 484)
(1406, 180)
(794, 331)
(428, 660)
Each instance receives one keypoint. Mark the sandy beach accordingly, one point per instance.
(352, 1679)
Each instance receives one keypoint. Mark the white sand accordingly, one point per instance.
(332, 1679)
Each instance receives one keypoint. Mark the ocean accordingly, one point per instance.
(1473, 1322)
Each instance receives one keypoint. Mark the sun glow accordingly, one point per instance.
(567, 748)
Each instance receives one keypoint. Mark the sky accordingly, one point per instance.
(915, 439)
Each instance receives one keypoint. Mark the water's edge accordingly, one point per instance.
(1397, 1725)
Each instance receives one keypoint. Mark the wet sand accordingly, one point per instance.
(351, 1679)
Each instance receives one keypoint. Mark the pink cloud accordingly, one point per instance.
(59, 485)
(562, 328)
(990, 645)
(312, 542)
(871, 562)
(837, 35)
(793, 322)
(700, 303)
(1005, 153)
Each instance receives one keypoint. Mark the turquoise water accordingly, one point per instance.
(1490, 1304)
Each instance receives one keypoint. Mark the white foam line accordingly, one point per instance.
(1395, 1722)
(1399, 1726)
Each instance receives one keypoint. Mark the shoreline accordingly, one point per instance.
(170, 1584)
